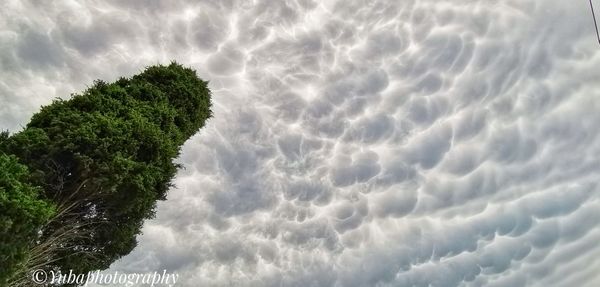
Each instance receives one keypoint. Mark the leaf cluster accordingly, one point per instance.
(105, 156)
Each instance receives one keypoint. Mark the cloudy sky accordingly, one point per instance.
(354, 142)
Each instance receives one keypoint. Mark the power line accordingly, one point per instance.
(595, 23)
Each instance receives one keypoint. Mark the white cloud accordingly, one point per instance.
(354, 143)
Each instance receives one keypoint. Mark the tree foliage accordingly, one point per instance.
(22, 214)
(104, 157)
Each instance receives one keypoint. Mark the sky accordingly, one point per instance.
(354, 142)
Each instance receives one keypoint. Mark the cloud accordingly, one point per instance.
(353, 143)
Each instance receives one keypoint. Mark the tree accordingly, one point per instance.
(22, 215)
(104, 157)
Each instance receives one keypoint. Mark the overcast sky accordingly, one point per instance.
(354, 142)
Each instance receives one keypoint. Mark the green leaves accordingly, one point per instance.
(22, 215)
(107, 153)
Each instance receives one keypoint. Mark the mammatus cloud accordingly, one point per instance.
(354, 143)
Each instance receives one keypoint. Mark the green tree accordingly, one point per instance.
(104, 157)
(22, 215)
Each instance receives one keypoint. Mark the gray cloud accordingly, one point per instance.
(354, 143)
